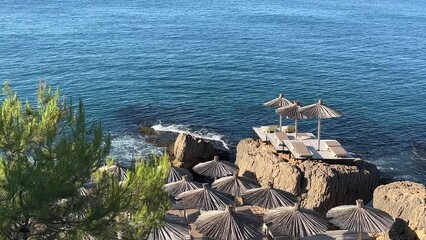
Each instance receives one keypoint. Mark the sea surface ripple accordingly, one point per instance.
(207, 67)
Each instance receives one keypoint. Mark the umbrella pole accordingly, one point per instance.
(359, 236)
(295, 128)
(281, 123)
(319, 134)
(237, 196)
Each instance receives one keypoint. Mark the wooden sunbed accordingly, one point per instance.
(335, 147)
(275, 141)
(301, 136)
(298, 149)
(281, 136)
(275, 138)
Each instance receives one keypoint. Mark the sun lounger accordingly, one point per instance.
(335, 147)
(331, 143)
(269, 128)
(280, 137)
(304, 136)
(338, 151)
(277, 140)
(299, 149)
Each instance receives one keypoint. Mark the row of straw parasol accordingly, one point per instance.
(284, 215)
(293, 110)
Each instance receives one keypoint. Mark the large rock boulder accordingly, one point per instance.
(406, 202)
(189, 151)
(320, 186)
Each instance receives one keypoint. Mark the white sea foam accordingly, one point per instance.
(125, 148)
(201, 133)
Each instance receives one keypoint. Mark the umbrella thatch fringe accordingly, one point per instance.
(173, 229)
(205, 199)
(88, 236)
(118, 172)
(319, 110)
(268, 197)
(83, 192)
(291, 111)
(360, 219)
(215, 169)
(339, 234)
(176, 174)
(234, 185)
(295, 222)
(175, 188)
(228, 225)
(280, 101)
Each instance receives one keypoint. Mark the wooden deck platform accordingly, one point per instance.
(260, 133)
(279, 146)
(308, 139)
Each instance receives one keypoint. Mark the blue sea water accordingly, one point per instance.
(207, 67)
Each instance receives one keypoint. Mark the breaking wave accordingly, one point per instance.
(125, 148)
(198, 133)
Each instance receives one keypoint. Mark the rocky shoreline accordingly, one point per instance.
(319, 185)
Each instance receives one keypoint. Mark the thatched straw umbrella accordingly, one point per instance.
(175, 188)
(268, 197)
(359, 218)
(319, 111)
(234, 185)
(116, 170)
(228, 224)
(278, 102)
(295, 221)
(174, 228)
(176, 174)
(83, 192)
(87, 188)
(292, 111)
(205, 198)
(215, 168)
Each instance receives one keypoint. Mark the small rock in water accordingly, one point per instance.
(147, 130)
(189, 151)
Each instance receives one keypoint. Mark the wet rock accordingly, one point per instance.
(146, 130)
(165, 143)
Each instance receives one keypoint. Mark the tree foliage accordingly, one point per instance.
(148, 202)
(48, 155)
